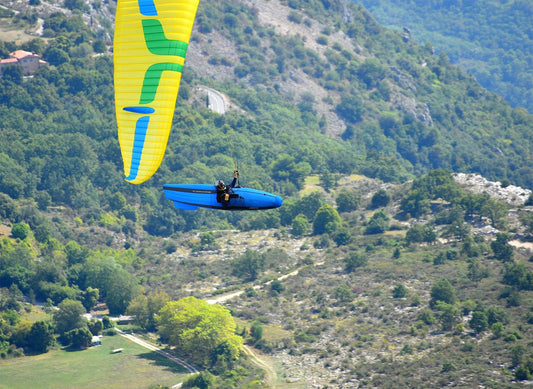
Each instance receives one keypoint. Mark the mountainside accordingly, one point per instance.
(367, 86)
(490, 39)
(381, 269)
(384, 102)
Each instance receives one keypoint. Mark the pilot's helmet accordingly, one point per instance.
(220, 184)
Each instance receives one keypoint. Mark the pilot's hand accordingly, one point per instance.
(236, 174)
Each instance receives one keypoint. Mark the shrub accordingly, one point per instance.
(399, 291)
(20, 231)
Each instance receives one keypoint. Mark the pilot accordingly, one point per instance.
(223, 195)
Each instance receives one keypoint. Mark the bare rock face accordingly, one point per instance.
(512, 195)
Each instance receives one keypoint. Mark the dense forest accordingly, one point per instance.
(490, 39)
(385, 241)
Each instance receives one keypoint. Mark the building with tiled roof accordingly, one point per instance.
(30, 62)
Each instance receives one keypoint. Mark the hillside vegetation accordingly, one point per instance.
(490, 39)
(378, 270)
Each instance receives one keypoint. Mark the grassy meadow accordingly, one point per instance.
(96, 367)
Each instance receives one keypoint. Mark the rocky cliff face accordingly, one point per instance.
(512, 195)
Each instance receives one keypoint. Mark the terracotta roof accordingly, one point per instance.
(9, 60)
(19, 54)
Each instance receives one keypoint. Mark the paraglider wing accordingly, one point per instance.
(192, 196)
(151, 39)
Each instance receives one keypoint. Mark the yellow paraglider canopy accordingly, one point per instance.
(151, 39)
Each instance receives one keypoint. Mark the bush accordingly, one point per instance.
(354, 260)
(399, 291)
(20, 231)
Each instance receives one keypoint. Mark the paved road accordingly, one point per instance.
(215, 100)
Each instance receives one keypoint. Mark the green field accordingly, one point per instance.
(96, 367)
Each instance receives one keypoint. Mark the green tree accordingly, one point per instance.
(99, 46)
(478, 322)
(371, 72)
(20, 331)
(378, 223)
(475, 271)
(347, 201)
(145, 309)
(473, 203)
(276, 287)
(449, 316)
(95, 326)
(20, 231)
(442, 291)
(354, 260)
(350, 108)
(497, 329)
(197, 328)
(248, 265)
(310, 204)
(12, 73)
(256, 331)
(327, 180)
(286, 168)
(90, 298)
(106, 322)
(527, 220)
(438, 184)
(69, 316)
(503, 251)
(426, 316)
(56, 56)
(517, 353)
(116, 286)
(416, 203)
(470, 248)
(208, 241)
(122, 289)
(380, 199)
(399, 291)
(326, 220)
(495, 211)
(300, 225)
(76, 253)
(529, 200)
(342, 236)
(79, 337)
(41, 337)
(118, 201)
(518, 275)
(419, 233)
(203, 380)
(497, 315)
(344, 293)
(74, 4)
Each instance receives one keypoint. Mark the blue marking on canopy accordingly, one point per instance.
(138, 145)
(147, 8)
(144, 110)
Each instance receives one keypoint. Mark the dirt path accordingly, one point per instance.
(190, 368)
(225, 297)
(271, 376)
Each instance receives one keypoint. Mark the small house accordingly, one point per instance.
(30, 62)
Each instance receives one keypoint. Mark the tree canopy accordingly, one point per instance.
(198, 329)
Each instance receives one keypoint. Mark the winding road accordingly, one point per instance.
(216, 102)
(271, 376)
